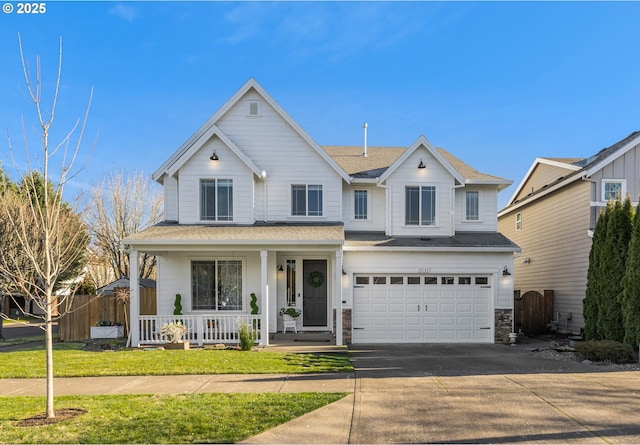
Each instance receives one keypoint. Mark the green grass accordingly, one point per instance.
(70, 361)
(192, 418)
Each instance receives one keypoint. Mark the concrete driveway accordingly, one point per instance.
(488, 394)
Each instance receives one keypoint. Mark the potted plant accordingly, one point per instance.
(107, 329)
(175, 331)
(289, 313)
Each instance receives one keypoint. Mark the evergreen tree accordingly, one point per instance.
(591, 303)
(613, 265)
(630, 301)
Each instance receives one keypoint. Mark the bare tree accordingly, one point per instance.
(51, 236)
(122, 206)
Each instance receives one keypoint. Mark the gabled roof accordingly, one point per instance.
(202, 135)
(423, 142)
(577, 167)
(380, 159)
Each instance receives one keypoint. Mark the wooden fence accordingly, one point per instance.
(87, 310)
(533, 311)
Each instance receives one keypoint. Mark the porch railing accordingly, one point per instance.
(201, 329)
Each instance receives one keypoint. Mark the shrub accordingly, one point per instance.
(605, 351)
(247, 336)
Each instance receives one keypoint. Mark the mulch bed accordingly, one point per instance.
(41, 419)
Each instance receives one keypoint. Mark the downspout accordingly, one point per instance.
(265, 188)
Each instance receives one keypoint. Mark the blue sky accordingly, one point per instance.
(495, 83)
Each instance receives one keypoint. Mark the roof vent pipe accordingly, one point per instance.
(364, 147)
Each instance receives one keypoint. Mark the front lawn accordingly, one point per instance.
(150, 418)
(70, 361)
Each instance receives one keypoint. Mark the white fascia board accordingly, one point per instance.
(533, 198)
(308, 139)
(502, 184)
(363, 180)
(536, 162)
(608, 160)
(431, 249)
(422, 141)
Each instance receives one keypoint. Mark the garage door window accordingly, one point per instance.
(413, 280)
(448, 280)
(482, 280)
(430, 280)
(397, 280)
(362, 280)
(379, 280)
(464, 280)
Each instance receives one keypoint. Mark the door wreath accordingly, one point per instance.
(315, 279)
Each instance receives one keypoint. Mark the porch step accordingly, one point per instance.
(302, 337)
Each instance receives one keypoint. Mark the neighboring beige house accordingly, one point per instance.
(374, 244)
(552, 214)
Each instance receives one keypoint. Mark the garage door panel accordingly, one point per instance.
(422, 309)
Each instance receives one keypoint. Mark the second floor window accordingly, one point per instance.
(472, 206)
(420, 206)
(216, 200)
(360, 203)
(306, 200)
(613, 190)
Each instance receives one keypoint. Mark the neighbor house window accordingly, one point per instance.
(360, 203)
(216, 200)
(420, 206)
(613, 189)
(216, 285)
(306, 200)
(472, 206)
(518, 221)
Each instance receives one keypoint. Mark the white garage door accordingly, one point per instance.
(421, 309)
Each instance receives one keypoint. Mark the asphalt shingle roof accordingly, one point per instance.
(459, 240)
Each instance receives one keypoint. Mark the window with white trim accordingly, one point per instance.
(420, 206)
(360, 204)
(613, 189)
(216, 200)
(472, 205)
(518, 221)
(253, 108)
(216, 285)
(306, 200)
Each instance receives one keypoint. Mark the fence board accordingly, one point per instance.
(87, 310)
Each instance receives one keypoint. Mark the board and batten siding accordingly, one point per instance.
(229, 166)
(409, 175)
(376, 209)
(555, 248)
(174, 273)
(433, 263)
(488, 207)
(625, 167)
(275, 147)
(542, 175)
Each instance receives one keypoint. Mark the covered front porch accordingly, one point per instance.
(229, 275)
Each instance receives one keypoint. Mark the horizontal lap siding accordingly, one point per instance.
(488, 209)
(542, 175)
(377, 206)
(275, 147)
(554, 237)
(626, 167)
(408, 174)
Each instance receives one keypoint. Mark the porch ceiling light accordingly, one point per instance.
(214, 156)
(421, 164)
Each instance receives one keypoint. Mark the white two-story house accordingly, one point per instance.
(374, 244)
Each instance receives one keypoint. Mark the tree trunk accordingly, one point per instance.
(49, 357)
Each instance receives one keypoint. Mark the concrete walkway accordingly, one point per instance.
(423, 393)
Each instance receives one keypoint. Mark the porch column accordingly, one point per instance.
(134, 299)
(337, 295)
(264, 331)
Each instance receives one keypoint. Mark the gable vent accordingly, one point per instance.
(254, 108)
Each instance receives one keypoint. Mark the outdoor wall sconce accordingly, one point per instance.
(421, 164)
(505, 272)
(214, 156)
(280, 269)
